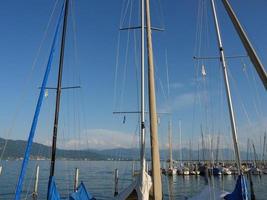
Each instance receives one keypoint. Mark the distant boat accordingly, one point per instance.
(215, 171)
(186, 171)
(80, 192)
(226, 171)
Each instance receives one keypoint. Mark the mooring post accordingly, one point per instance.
(133, 170)
(35, 191)
(1, 169)
(76, 179)
(116, 182)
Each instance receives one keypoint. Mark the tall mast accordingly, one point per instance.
(248, 149)
(229, 98)
(180, 141)
(156, 173)
(198, 153)
(142, 89)
(264, 148)
(217, 149)
(246, 43)
(203, 144)
(54, 144)
(170, 144)
(255, 156)
(190, 151)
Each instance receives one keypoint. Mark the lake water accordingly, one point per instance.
(98, 176)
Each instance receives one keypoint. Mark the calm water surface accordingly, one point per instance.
(98, 177)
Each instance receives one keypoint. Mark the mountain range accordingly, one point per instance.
(15, 150)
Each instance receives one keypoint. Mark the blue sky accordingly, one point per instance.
(91, 52)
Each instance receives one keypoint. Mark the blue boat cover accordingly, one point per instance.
(216, 171)
(81, 194)
(36, 113)
(52, 190)
(240, 192)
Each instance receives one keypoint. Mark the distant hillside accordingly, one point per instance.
(134, 154)
(15, 149)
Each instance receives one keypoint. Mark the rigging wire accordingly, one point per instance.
(250, 86)
(123, 15)
(129, 10)
(161, 14)
(136, 67)
(126, 59)
(23, 93)
(243, 107)
(202, 84)
(197, 52)
(239, 98)
(167, 74)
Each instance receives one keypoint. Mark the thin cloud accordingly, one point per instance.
(176, 85)
(100, 139)
(179, 102)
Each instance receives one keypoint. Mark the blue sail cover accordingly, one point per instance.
(81, 194)
(240, 192)
(36, 114)
(52, 190)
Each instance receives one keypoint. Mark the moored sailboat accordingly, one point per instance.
(241, 190)
(145, 186)
(80, 191)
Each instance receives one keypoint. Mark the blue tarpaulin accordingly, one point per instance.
(240, 192)
(81, 194)
(52, 190)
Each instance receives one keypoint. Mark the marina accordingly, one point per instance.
(182, 125)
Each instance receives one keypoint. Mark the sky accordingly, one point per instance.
(105, 62)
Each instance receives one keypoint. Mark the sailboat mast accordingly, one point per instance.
(263, 150)
(229, 98)
(170, 144)
(203, 144)
(248, 149)
(255, 156)
(60, 71)
(156, 173)
(246, 43)
(198, 158)
(142, 89)
(180, 140)
(217, 149)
